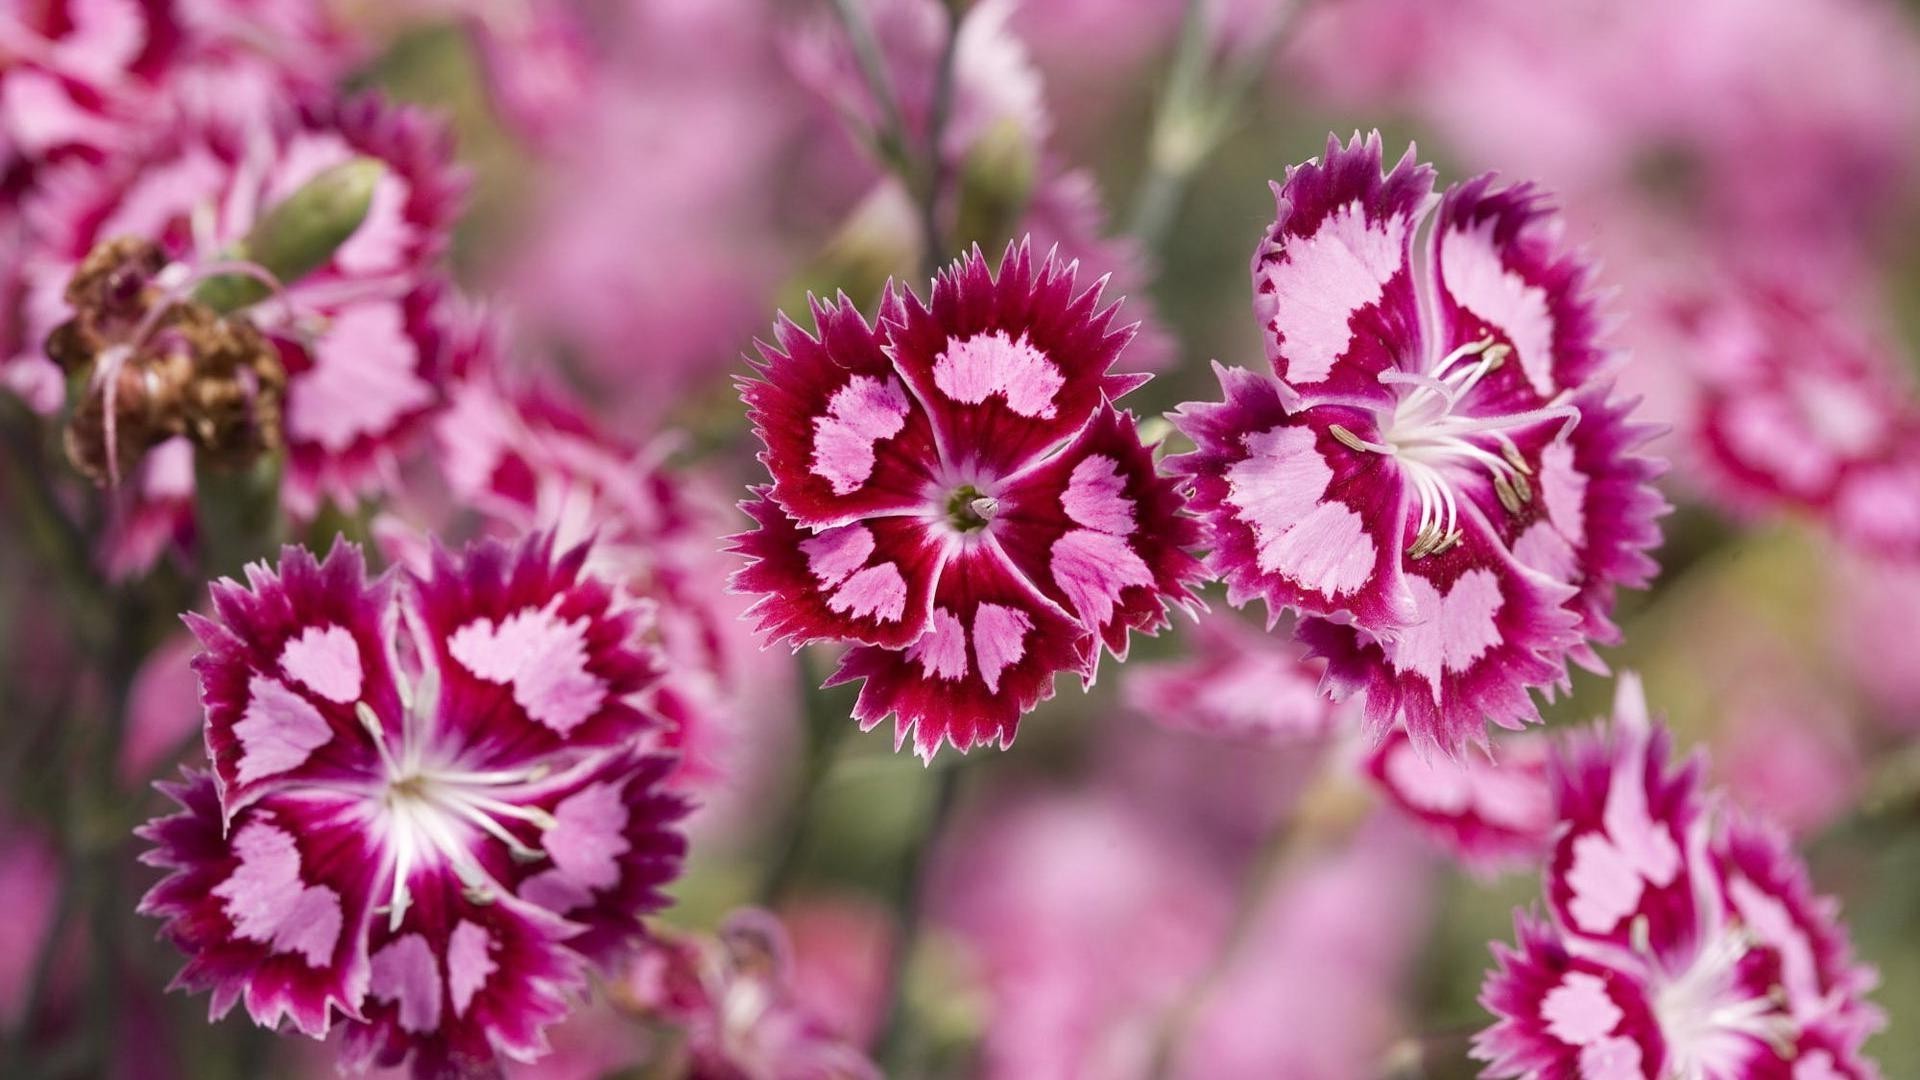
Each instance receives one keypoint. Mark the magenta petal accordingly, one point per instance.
(533, 657)
(845, 438)
(1493, 813)
(288, 660)
(870, 582)
(1501, 270)
(461, 984)
(1333, 282)
(1298, 519)
(1008, 366)
(989, 655)
(270, 905)
(1101, 532)
(1485, 630)
(611, 849)
(1564, 1016)
(1237, 684)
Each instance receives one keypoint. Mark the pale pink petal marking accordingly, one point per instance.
(877, 590)
(859, 415)
(468, 964)
(544, 659)
(1774, 925)
(327, 660)
(836, 553)
(999, 640)
(590, 836)
(1096, 496)
(268, 902)
(1578, 1011)
(1605, 886)
(1615, 1058)
(942, 650)
(1482, 283)
(1448, 632)
(279, 730)
(1564, 489)
(1543, 548)
(362, 382)
(1277, 491)
(407, 972)
(1092, 568)
(976, 368)
(1817, 1066)
(1323, 280)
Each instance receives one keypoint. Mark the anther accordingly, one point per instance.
(1347, 438)
(984, 507)
(478, 895)
(1509, 498)
(1496, 355)
(1512, 454)
(1521, 487)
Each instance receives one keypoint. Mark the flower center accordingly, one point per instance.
(1438, 440)
(1708, 1001)
(970, 510)
(432, 811)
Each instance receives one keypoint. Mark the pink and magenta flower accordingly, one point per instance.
(427, 810)
(1492, 812)
(955, 494)
(1680, 940)
(1798, 409)
(1434, 474)
(1237, 684)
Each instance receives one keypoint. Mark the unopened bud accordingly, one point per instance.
(996, 183)
(299, 234)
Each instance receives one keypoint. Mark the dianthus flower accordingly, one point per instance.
(956, 494)
(1680, 941)
(426, 809)
(1797, 409)
(1433, 475)
(1492, 814)
(362, 338)
(734, 996)
(1237, 684)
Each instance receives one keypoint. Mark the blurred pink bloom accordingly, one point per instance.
(163, 712)
(1468, 384)
(1238, 683)
(956, 494)
(1681, 941)
(733, 995)
(430, 839)
(1786, 754)
(1312, 993)
(1087, 919)
(1876, 620)
(1798, 408)
(1491, 810)
(30, 892)
(842, 947)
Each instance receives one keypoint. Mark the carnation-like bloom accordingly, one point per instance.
(1798, 409)
(1433, 475)
(1492, 814)
(956, 494)
(734, 996)
(426, 809)
(1680, 941)
(1237, 684)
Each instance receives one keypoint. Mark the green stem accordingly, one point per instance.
(898, 1039)
(890, 139)
(825, 731)
(932, 239)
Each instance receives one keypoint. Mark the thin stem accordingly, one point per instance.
(891, 138)
(897, 1036)
(932, 239)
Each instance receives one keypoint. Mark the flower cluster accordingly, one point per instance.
(1434, 474)
(427, 810)
(955, 493)
(1680, 939)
